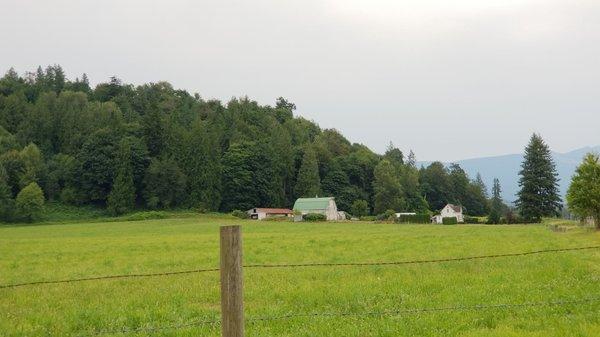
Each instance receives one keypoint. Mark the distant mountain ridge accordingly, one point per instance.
(506, 168)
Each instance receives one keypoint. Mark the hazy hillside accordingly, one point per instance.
(506, 168)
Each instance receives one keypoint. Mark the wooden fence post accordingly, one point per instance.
(232, 300)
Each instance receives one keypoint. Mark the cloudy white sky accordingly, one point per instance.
(449, 79)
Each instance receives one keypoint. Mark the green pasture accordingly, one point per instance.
(104, 308)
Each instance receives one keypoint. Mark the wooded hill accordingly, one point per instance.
(153, 146)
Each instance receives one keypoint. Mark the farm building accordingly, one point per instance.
(405, 213)
(449, 211)
(325, 206)
(263, 213)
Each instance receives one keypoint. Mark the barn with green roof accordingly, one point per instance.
(325, 206)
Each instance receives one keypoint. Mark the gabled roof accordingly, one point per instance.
(273, 210)
(303, 204)
(456, 208)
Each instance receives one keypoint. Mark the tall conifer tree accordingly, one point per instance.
(6, 201)
(538, 196)
(122, 196)
(496, 203)
(308, 183)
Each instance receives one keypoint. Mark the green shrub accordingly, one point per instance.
(202, 208)
(314, 217)
(512, 218)
(68, 196)
(416, 218)
(30, 203)
(390, 214)
(471, 220)
(450, 220)
(147, 215)
(240, 214)
(58, 212)
(360, 208)
(368, 218)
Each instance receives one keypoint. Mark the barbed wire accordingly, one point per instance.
(296, 265)
(452, 259)
(407, 311)
(108, 277)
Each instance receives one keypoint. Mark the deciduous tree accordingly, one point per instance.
(29, 203)
(388, 192)
(583, 196)
(360, 208)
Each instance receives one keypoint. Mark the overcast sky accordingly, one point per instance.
(448, 79)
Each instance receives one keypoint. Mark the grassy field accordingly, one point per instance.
(60, 251)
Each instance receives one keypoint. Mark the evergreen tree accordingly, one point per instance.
(394, 155)
(97, 164)
(122, 195)
(14, 168)
(335, 183)
(409, 180)
(152, 125)
(411, 161)
(308, 183)
(6, 200)
(481, 185)
(61, 173)
(164, 184)
(470, 194)
(247, 177)
(200, 160)
(7, 141)
(497, 204)
(539, 195)
(388, 192)
(58, 78)
(583, 196)
(477, 201)
(14, 108)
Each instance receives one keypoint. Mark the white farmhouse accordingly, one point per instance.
(449, 211)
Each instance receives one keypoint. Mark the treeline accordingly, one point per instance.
(152, 146)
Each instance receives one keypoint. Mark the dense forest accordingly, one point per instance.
(151, 146)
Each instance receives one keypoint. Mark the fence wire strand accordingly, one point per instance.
(405, 311)
(298, 265)
(452, 259)
(108, 277)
